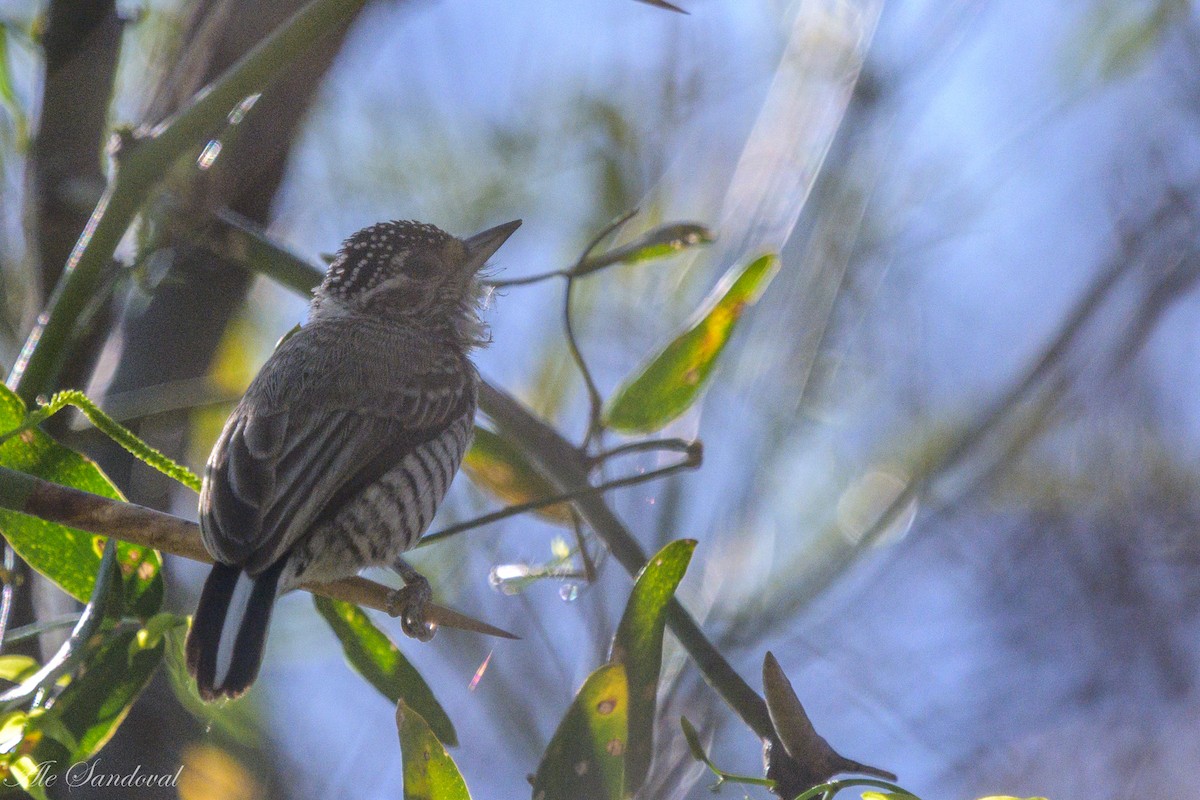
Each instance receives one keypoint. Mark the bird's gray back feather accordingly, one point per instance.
(333, 400)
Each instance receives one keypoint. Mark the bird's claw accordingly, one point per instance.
(410, 603)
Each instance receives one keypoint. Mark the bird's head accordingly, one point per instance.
(411, 273)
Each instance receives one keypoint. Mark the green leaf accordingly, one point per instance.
(16, 668)
(429, 772)
(93, 705)
(27, 771)
(905, 796)
(658, 243)
(8, 96)
(673, 379)
(498, 467)
(375, 656)
(692, 737)
(67, 556)
(586, 757)
(638, 645)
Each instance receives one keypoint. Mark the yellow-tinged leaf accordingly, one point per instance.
(586, 757)
(17, 668)
(666, 386)
(429, 772)
(496, 466)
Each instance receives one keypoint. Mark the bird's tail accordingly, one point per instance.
(208, 624)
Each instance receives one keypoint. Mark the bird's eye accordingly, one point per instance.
(419, 267)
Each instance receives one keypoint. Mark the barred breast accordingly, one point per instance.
(388, 516)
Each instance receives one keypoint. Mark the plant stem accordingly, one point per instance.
(563, 465)
(690, 462)
(129, 522)
(141, 164)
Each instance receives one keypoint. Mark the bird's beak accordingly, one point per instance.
(481, 246)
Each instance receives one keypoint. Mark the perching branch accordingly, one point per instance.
(149, 528)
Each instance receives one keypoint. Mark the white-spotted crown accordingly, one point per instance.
(382, 251)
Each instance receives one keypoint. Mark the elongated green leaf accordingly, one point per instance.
(638, 645)
(429, 771)
(673, 379)
(499, 468)
(375, 656)
(658, 243)
(69, 557)
(692, 737)
(586, 757)
(95, 703)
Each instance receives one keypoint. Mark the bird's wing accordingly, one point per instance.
(275, 472)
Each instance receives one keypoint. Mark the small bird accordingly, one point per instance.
(346, 441)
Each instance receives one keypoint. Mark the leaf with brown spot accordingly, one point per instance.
(429, 771)
(586, 756)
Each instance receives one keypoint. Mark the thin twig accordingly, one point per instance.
(589, 566)
(690, 462)
(669, 445)
(38, 628)
(542, 276)
(595, 400)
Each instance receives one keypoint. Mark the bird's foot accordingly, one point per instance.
(410, 604)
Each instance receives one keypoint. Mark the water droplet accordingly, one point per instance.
(509, 578)
(209, 154)
(569, 592)
(239, 111)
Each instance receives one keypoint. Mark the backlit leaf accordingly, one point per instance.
(638, 645)
(495, 465)
(67, 556)
(586, 757)
(658, 243)
(429, 772)
(674, 379)
(95, 703)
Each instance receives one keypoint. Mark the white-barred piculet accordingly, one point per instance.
(345, 443)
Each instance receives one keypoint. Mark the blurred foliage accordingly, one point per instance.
(495, 465)
(1117, 36)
